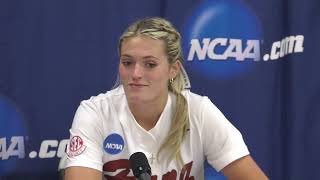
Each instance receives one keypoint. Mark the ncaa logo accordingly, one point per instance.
(113, 144)
(221, 39)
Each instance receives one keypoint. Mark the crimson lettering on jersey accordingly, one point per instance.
(185, 173)
(124, 166)
(113, 166)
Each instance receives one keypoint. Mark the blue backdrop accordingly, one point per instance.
(256, 60)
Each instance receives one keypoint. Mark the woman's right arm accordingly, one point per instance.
(84, 152)
(82, 173)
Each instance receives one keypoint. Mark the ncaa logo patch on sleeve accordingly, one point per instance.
(113, 144)
(76, 146)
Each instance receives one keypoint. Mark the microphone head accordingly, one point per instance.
(139, 164)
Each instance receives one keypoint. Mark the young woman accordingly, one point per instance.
(151, 111)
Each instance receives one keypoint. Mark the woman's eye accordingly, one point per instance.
(151, 65)
(126, 63)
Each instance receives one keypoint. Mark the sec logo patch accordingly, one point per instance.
(76, 146)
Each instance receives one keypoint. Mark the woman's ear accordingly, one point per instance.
(174, 69)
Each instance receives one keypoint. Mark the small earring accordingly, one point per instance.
(171, 80)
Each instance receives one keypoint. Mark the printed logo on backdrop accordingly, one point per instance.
(222, 39)
(14, 140)
(12, 135)
(113, 144)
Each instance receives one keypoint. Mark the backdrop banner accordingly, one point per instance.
(256, 60)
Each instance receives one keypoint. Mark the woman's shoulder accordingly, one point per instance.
(111, 96)
(194, 99)
(200, 105)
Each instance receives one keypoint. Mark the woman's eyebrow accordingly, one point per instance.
(150, 57)
(145, 57)
(126, 55)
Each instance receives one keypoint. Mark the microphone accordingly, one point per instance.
(140, 166)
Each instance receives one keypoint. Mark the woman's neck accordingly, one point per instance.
(147, 114)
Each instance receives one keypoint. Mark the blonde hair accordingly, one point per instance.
(161, 29)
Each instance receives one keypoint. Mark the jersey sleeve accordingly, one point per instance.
(85, 145)
(223, 143)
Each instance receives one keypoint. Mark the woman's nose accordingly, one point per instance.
(137, 71)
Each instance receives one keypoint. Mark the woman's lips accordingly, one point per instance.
(136, 85)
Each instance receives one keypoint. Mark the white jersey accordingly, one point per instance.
(104, 134)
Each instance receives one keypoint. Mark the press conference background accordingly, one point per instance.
(257, 61)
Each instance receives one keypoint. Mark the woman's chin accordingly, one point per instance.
(136, 99)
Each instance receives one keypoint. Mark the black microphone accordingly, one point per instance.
(140, 166)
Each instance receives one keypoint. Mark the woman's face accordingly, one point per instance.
(144, 69)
